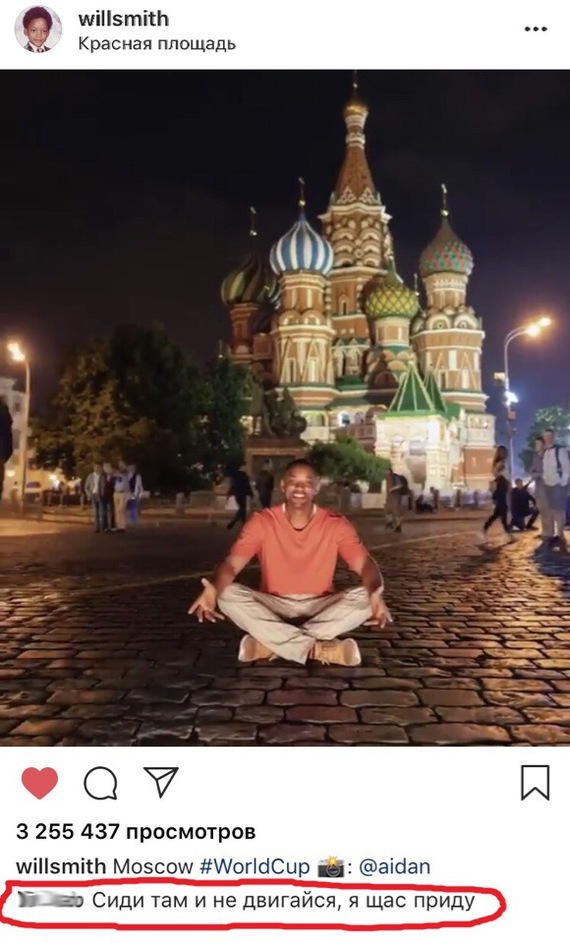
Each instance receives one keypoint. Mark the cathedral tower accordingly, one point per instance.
(390, 306)
(247, 291)
(356, 225)
(449, 339)
(302, 333)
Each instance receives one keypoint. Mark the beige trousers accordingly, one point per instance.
(120, 499)
(265, 617)
(554, 513)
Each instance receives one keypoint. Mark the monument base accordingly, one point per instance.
(275, 449)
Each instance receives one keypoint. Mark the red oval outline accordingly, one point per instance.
(262, 882)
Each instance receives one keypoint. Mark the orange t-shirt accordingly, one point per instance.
(298, 562)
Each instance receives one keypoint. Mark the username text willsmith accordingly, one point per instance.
(108, 18)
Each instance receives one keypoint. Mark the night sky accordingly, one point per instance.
(124, 196)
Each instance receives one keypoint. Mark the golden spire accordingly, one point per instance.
(302, 202)
(252, 215)
(444, 209)
(416, 284)
(355, 106)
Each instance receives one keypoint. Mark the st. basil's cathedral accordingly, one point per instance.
(330, 319)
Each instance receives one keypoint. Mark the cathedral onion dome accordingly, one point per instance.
(251, 283)
(391, 298)
(446, 253)
(301, 250)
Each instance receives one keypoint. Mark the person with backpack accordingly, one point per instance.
(556, 478)
(396, 488)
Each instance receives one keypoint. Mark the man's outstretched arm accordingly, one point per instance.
(245, 548)
(358, 559)
(369, 572)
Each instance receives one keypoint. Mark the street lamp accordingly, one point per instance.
(531, 330)
(19, 356)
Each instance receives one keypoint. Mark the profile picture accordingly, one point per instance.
(38, 29)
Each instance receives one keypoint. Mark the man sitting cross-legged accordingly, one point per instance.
(296, 614)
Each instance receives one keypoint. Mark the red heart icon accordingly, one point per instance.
(39, 781)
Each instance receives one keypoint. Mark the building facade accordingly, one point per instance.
(329, 318)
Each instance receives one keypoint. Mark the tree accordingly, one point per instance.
(550, 417)
(135, 395)
(226, 395)
(345, 460)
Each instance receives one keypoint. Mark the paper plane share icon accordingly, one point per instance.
(162, 775)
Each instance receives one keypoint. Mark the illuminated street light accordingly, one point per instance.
(531, 330)
(18, 355)
(16, 352)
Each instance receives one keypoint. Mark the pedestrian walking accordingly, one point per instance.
(240, 489)
(6, 441)
(396, 487)
(536, 474)
(94, 484)
(500, 491)
(264, 485)
(121, 497)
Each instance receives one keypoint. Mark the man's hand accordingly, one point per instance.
(205, 605)
(380, 612)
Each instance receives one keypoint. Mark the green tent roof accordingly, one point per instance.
(412, 396)
(434, 392)
(453, 410)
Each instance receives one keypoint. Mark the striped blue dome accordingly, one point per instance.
(301, 249)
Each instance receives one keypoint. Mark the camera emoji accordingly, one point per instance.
(331, 867)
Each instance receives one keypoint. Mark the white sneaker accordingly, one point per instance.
(482, 540)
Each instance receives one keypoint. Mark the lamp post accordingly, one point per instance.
(531, 330)
(19, 356)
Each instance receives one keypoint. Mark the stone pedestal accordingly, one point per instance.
(278, 450)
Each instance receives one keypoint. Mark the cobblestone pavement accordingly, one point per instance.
(96, 647)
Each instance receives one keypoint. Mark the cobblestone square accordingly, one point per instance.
(96, 647)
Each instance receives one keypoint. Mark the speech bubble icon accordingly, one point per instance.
(100, 783)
